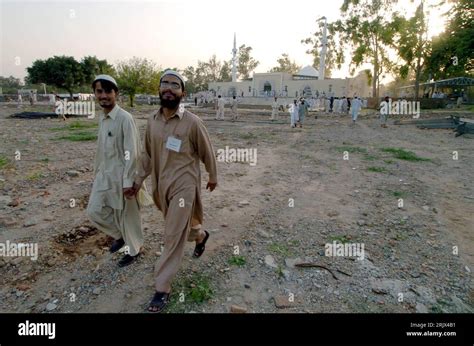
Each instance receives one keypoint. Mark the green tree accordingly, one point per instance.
(245, 63)
(61, 71)
(10, 85)
(333, 58)
(137, 75)
(412, 44)
(190, 74)
(92, 67)
(452, 53)
(225, 72)
(286, 65)
(367, 28)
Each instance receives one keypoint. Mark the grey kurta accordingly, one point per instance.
(116, 162)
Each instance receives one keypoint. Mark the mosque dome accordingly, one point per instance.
(308, 71)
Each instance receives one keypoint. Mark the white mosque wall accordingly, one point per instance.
(284, 85)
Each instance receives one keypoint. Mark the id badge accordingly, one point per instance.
(173, 144)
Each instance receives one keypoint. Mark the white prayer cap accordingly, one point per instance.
(173, 73)
(105, 77)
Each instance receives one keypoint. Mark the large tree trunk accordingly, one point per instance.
(375, 76)
(132, 97)
(418, 69)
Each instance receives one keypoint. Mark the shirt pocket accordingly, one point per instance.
(186, 146)
(109, 146)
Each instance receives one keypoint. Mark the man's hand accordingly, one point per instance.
(211, 186)
(136, 188)
(129, 192)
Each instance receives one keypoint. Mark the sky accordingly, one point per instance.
(174, 33)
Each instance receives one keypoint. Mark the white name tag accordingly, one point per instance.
(173, 144)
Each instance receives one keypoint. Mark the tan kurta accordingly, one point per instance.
(171, 171)
(176, 179)
(116, 161)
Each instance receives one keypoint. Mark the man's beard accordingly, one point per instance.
(170, 104)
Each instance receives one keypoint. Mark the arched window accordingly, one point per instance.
(267, 86)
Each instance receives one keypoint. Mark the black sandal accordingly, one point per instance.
(159, 302)
(199, 249)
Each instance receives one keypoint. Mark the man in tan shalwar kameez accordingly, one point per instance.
(118, 148)
(175, 142)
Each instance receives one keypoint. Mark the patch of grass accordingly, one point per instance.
(3, 161)
(306, 157)
(35, 176)
(248, 136)
(403, 154)
(368, 157)
(352, 149)
(399, 194)
(44, 159)
(76, 125)
(201, 291)
(279, 271)
(78, 137)
(195, 289)
(294, 242)
(388, 161)
(401, 236)
(279, 249)
(237, 261)
(377, 169)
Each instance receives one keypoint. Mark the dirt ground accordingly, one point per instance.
(301, 195)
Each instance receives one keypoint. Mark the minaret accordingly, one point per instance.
(322, 56)
(234, 61)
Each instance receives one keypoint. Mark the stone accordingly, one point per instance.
(72, 173)
(97, 291)
(426, 208)
(5, 199)
(14, 203)
(290, 262)
(7, 221)
(333, 213)
(388, 286)
(263, 234)
(283, 302)
(460, 306)
(270, 261)
(17, 261)
(51, 306)
(421, 308)
(235, 309)
(29, 223)
(243, 203)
